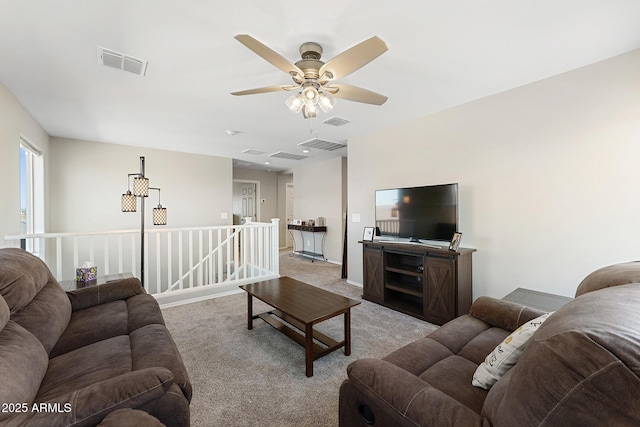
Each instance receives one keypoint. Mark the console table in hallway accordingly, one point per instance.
(318, 249)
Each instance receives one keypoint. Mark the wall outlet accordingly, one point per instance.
(224, 215)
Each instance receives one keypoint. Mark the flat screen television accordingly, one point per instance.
(418, 213)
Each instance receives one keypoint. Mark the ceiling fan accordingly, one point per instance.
(316, 78)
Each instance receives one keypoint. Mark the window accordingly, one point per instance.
(31, 194)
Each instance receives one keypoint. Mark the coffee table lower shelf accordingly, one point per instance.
(297, 333)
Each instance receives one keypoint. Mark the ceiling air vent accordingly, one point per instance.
(336, 121)
(288, 156)
(111, 58)
(252, 151)
(241, 164)
(321, 144)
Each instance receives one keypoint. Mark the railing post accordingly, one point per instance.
(275, 245)
(59, 258)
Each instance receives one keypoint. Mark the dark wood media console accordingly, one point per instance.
(432, 284)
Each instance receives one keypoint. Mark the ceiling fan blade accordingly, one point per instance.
(353, 93)
(269, 55)
(354, 58)
(266, 89)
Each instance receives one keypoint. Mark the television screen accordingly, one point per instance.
(418, 213)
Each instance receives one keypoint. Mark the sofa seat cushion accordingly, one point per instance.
(85, 366)
(451, 376)
(447, 358)
(115, 318)
(588, 351)
(147, 347)
(465, 336)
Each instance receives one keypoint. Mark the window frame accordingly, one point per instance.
(33, 181)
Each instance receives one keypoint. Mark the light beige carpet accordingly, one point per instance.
(257, 377)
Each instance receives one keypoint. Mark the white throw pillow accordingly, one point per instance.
(506, 354)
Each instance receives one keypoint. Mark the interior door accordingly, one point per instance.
(248, 202)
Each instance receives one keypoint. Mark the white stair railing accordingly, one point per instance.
(177, 261)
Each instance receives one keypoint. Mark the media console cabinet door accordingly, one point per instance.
(373, 260)
(440, 294)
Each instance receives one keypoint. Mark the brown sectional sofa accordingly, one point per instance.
(580, 368)
(70, 359)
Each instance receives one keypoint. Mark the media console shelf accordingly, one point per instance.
(430, 283)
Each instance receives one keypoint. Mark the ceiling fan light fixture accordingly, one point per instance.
(309, 111)
(326, 101)
(294, 102)
(310, 94)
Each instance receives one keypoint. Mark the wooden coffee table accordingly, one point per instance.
(301, 306)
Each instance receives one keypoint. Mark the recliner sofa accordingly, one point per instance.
(70, 359)
(581, 367)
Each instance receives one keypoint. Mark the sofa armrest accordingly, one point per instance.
(106, 292)
(130, 417)
(398, 395)
(89, 405)
(503, 314)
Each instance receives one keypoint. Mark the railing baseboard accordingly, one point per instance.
(203, 293)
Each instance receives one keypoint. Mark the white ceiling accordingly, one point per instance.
(441, 54)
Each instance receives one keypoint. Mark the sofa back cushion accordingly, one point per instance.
(22, 276)
(583, 364)
(612, 275)
(35, 299)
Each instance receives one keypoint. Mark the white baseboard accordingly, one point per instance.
(351, 282)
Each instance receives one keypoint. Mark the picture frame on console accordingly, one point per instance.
(367, 235)
(455, 241)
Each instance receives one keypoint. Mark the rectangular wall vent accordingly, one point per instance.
(336, 121)
(322, 144)
(288, 156)
(113, 59)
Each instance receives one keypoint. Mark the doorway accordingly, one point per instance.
(245, 201)
(289, 208)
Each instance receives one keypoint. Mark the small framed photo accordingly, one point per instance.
(367, 236)
(455, 241)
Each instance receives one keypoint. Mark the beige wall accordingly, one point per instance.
(319, 189)
(548, 173)
(88, 179)
(14, 123)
